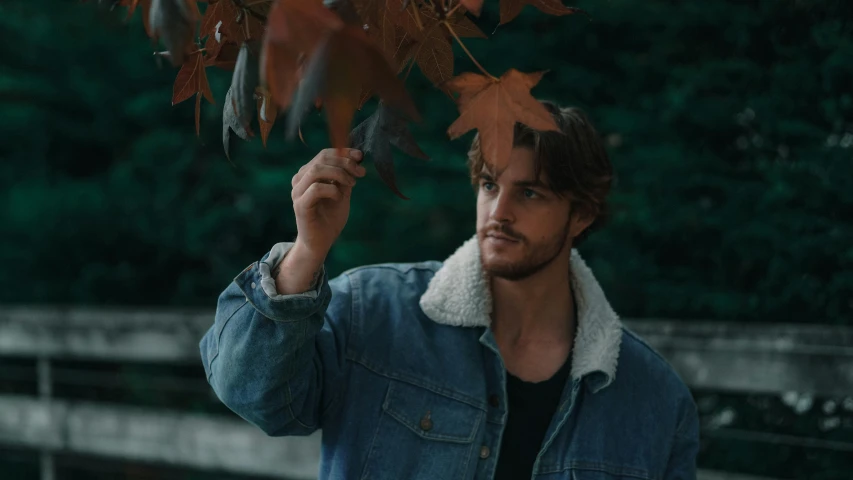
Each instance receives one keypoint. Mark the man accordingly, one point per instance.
(503, 362)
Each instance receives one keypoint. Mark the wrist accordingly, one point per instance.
(307, 255)
(299, 271)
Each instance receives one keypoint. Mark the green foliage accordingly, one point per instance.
(729, 123)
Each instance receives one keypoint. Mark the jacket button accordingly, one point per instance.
(494, 400)
(484, 452)
(426, 423)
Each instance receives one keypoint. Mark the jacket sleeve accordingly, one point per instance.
(278, 361)
(685, 447)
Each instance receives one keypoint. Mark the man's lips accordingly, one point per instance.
(501, 237)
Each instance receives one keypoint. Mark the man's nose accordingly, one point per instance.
(502, 210)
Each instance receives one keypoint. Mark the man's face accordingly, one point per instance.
(521, 225)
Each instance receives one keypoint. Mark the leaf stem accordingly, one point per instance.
(411, 65)
(464, 48)
(247, 32)
(453, 10)
(417, 16)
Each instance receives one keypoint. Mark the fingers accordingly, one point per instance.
(320, 191)
(348, 158)
(320, 173)
(328, 157)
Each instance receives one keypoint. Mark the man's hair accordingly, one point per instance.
(574, 160)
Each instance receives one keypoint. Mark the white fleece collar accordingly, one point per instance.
(459, 295)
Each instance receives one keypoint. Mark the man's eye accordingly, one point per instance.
(488, 185)
(530, 193)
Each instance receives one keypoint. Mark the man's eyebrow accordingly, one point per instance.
(530, 183)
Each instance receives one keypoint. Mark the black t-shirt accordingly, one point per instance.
(531, 407)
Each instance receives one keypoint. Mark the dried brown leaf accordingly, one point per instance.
(493, 108)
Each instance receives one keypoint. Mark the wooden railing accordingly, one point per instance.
(740, 357)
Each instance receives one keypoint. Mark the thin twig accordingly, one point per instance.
(464, 48)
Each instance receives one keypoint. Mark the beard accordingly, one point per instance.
(535, 256)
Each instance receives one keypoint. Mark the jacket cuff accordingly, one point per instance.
(258, 285)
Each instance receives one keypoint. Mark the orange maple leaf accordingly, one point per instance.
(493, 106)
(301, 24)
(280, 72)
(511, 8)
(343, 65)
(294, 28)
(192, 80)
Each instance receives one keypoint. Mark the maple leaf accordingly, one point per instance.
(346, 62)
(267, 112)
(376, 134)
(280, 72)
(294, 29)
(301, 24)
(225, 58)
(433, 49)
(236, 22)
(461, 24)
(244, 81)
(511, 8)
(434, 55)
(493, 106)
(192, 80)
(229, 123)
(173, 22)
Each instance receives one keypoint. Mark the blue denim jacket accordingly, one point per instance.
(396, 364)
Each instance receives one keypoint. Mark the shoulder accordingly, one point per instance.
(640, 361)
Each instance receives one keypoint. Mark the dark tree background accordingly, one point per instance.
(730, 125)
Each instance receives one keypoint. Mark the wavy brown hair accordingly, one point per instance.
(574, 160)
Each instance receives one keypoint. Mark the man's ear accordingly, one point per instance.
(581, 219)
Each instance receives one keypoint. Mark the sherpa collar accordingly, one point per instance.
(458, 295)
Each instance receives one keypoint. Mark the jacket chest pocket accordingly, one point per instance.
(422, 434)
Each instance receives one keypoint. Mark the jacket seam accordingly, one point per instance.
(642, 342)
(302, 318)
(346, 373)
(292, 414)
(399, 268)
(219, 340)
(372, 444)
(604, 467)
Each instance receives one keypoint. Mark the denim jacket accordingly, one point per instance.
(397, 365)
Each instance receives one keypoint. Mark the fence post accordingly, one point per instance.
(45, 394)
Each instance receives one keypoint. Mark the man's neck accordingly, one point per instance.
(537, 311)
